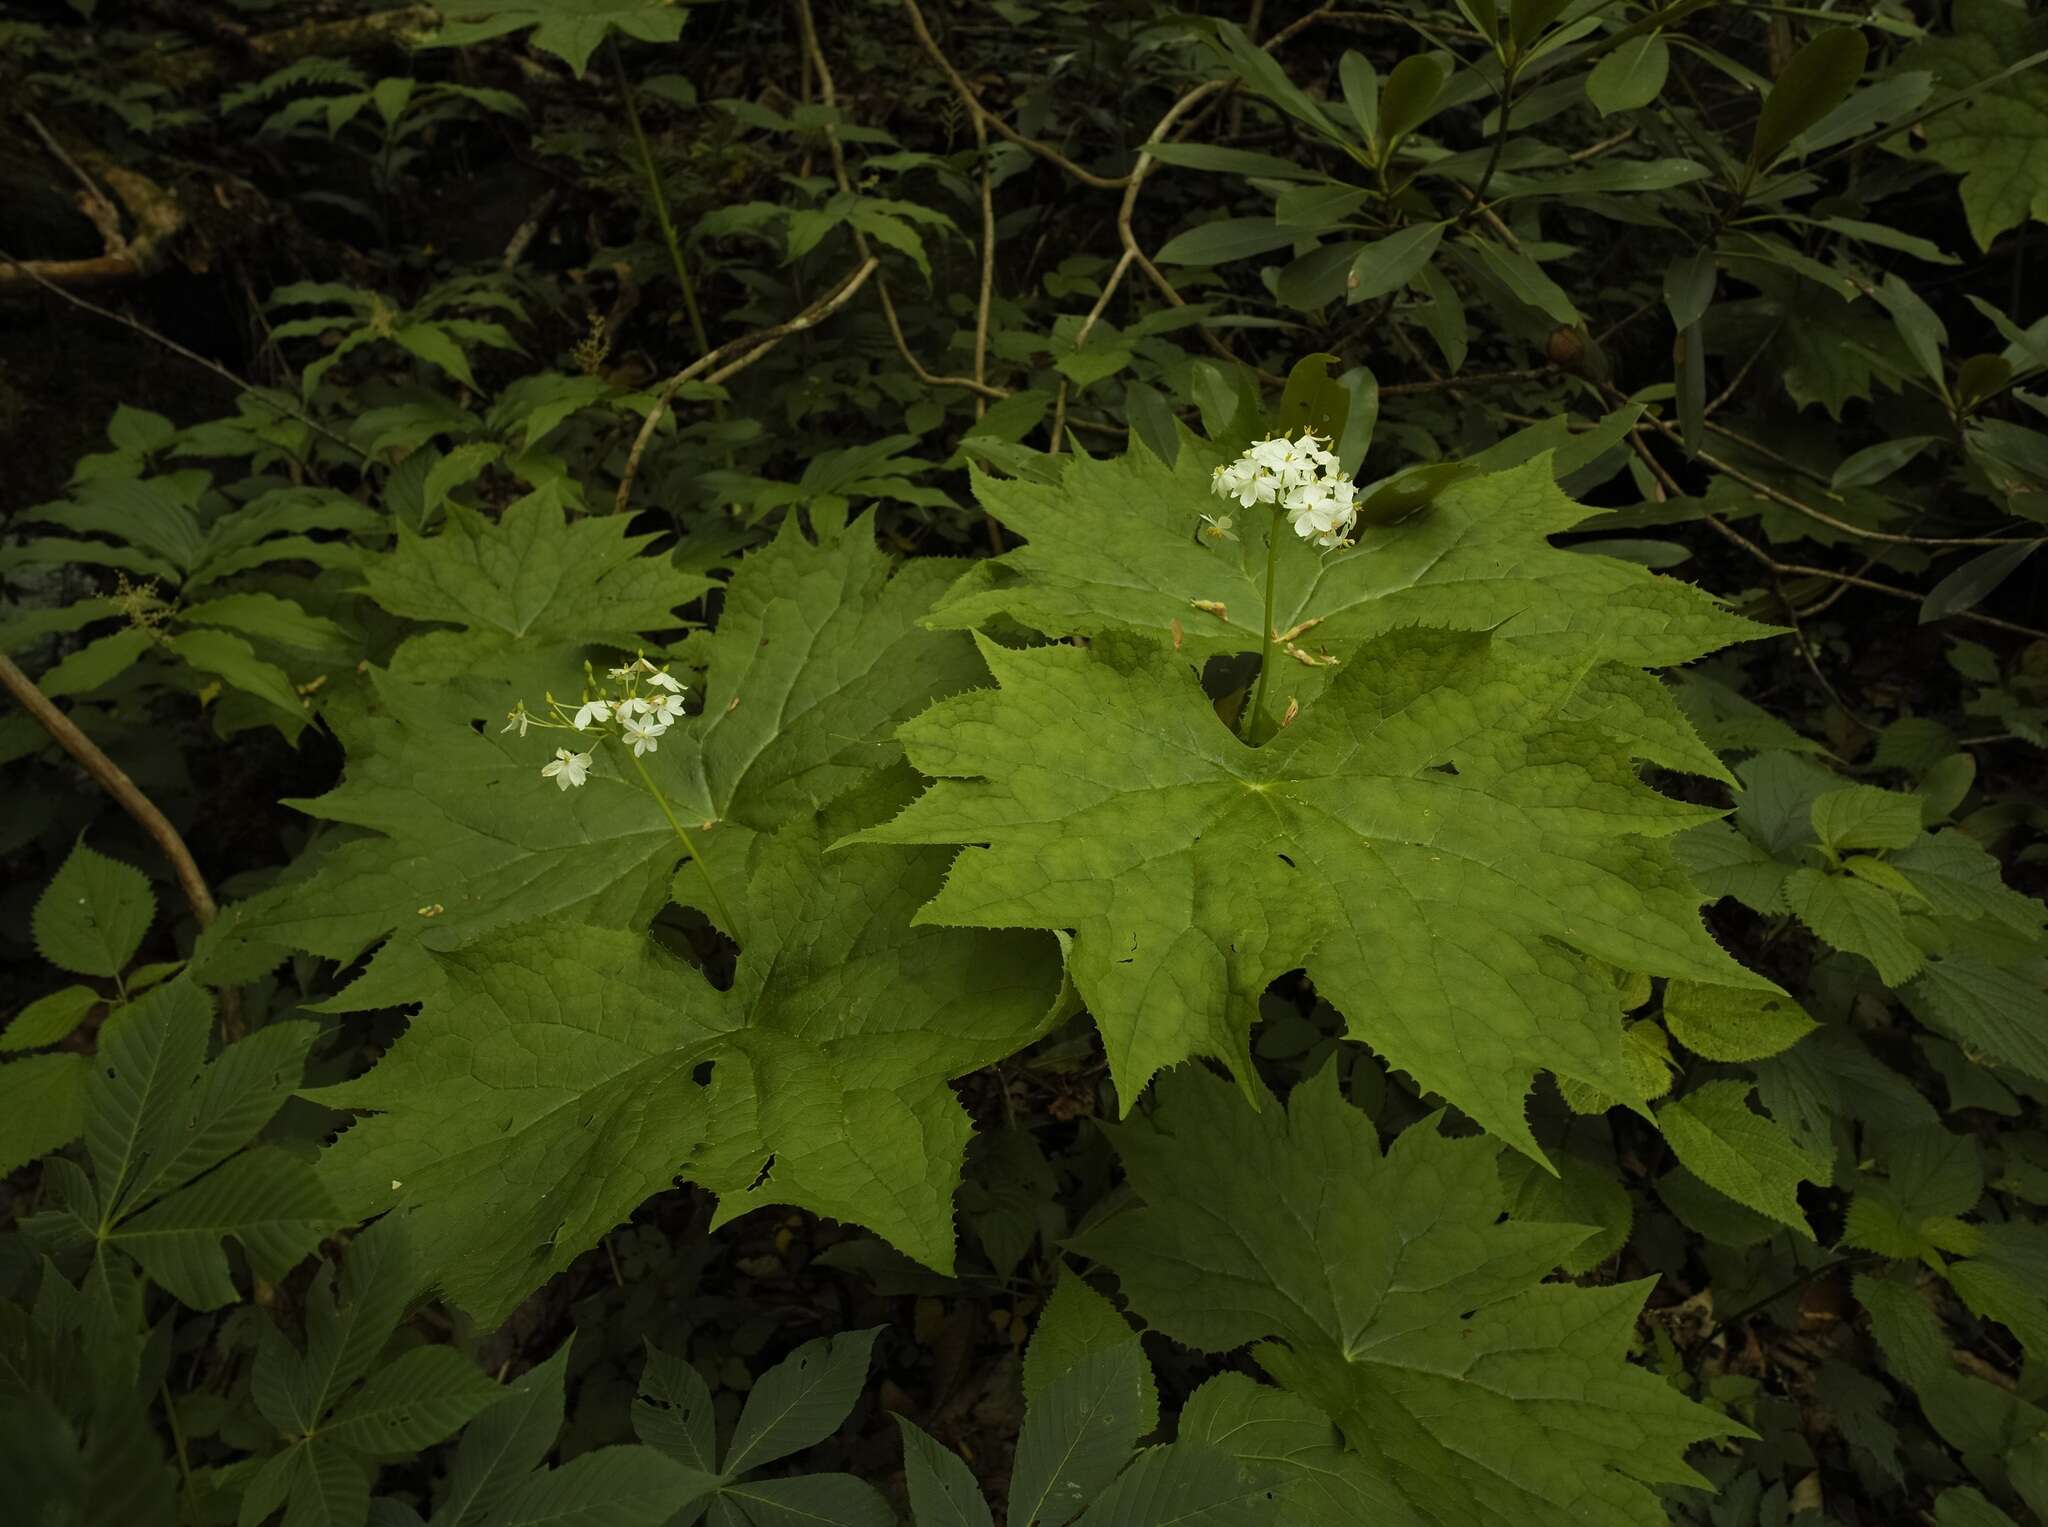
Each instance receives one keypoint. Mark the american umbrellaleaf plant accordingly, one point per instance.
(616, 709)
(931, 847)
(1301, 479)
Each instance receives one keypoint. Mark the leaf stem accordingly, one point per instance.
(710, 885)
(178, 1437)
(1257, 709)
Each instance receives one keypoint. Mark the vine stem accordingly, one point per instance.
(1257, 708)
(710, 884)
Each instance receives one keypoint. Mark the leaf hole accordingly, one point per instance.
(1285, 860)
(1444, 768)
(701, 1072)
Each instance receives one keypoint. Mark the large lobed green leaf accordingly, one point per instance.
(1992, 140)
(816, 658)
(533, 576)
(1113, 546)
(1442, 848)
(563, 1074)
(1392, 1292)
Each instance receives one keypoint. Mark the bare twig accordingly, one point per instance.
(156, 215)
(828, 96)
(988, 266)
(1595, 150)
(1802, 569)
(750, 347)
(1821, 516)
(1474, 379)
(104, 215)
(34, 275)
(110, 777)
(529, 230)
(966, 93)
(1741, 376)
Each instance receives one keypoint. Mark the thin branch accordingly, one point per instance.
(972, 101)
(659, 198)
(1605, 145)
(828, 96)
(104, 215)
(1474, 379)
(110, 777)
(988, 267)
(529, 230)
(1802, 569)
(1741, 376)
(1811, 658)
(1820, 516)
(29, 270)
(754, 346)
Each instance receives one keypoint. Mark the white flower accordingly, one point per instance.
(667, 709)
(660, 680)
(593, 710)
(1301, 477)
(634, 706)
(622, 674)
(567, 769)
(517, 718)
(642, 734)
(1216, 527)
(1275, 453)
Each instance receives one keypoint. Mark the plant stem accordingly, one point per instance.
(1811, 1274)
(710, 885)
(660, 200)
(1500, 143)
(1257, 709)
(178, 1437)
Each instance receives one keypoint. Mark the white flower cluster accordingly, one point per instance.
(636, 719)
(1301, 478)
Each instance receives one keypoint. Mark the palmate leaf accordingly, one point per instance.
(562, 1075)
(1391, 1292)
(164, 1131)
(1434, 841)
(533, 576)
(569, 29)
(817, 656)
(502, 1447)
(797, 1404)
(1990, 140)
(1477, 558)
(1322, 1483)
